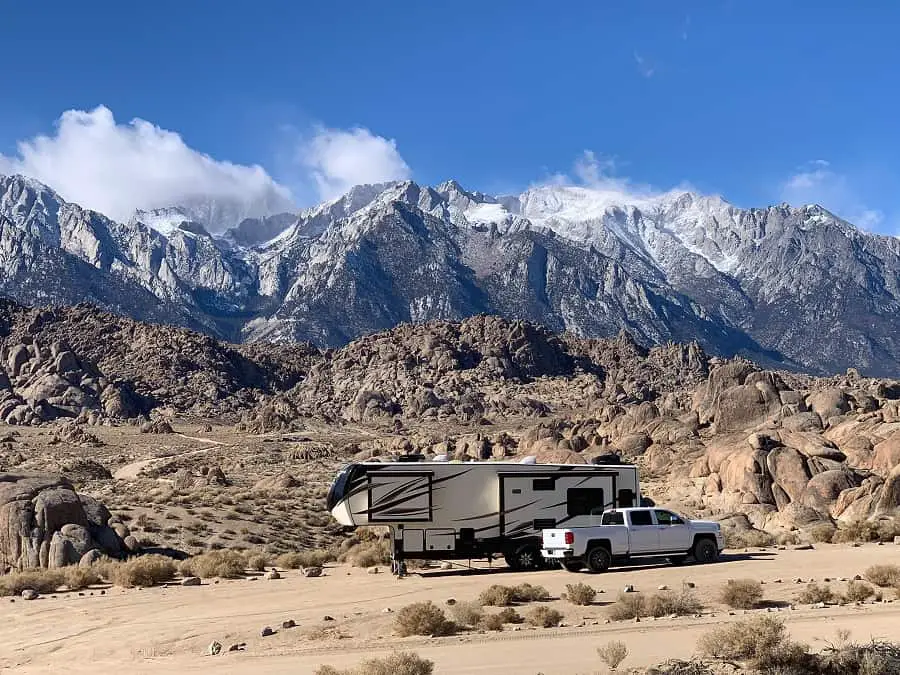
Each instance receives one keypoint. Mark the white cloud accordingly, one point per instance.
(598, 172)
(819, 183)
(644, 66)
(339, 159)
(116, 168)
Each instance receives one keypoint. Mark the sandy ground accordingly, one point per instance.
(168, 629)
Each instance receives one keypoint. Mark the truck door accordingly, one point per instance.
(674, 534)
(643, 533)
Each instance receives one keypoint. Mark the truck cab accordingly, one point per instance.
(623, 534)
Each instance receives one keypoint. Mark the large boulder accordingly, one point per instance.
(44, 523)
(828, 403)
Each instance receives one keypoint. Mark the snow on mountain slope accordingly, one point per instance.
(780, 284)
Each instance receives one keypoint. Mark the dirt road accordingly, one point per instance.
(168, 629)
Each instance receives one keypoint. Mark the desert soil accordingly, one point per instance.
(168, 629)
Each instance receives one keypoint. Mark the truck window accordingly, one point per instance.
(668, 518)
(613, 518)
(641, 518)
(584, 501)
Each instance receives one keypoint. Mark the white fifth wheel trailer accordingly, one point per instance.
(447, 510)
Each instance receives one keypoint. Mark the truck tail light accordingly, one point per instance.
(569, 538)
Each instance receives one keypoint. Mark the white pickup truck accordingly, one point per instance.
(633, 533)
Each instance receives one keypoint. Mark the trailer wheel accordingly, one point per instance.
(572, 565)
(598, 559)
(527, 557)
(705, 551)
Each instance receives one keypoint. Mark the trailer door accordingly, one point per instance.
(400, 496)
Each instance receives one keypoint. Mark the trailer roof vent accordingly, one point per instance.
(531, 459)
(441, 458)
(411, 458)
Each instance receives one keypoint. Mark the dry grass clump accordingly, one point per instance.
(423, 618)
(814, 593)
(77, 577)
(858, 591)
(665, 603)
(748, 539)
(145, 570)
(368, 554)
(580, 594)
(855, 531)
(491, 622)
(742, 593)
(883, 576)
(258, 561)
(822, 533)
(528, 593)
(613, 653)
(498, 595)
(400, 663)
(223, 564)
(745, 640)
(310, 558)
(544, 617)
(40, 580)
(467, 613)
(509, 615)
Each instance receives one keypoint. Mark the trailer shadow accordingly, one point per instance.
(630, 565)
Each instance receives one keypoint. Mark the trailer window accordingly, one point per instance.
(584, 501)
(626, 498)
(543, 484)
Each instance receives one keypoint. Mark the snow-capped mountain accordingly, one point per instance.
(781, 284)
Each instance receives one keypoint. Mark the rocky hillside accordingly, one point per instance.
(788, 287)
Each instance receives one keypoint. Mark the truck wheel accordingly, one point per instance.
(598, 559)
(705, 551)
(572, 565)
(524, 558)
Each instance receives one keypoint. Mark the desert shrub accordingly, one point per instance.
(613, 653)
(855, 531)
(497, 595)
(77, 577)
(822, 533)
(887, 529)
(787, 538)
(492, 622)
(400, 663)
(528, 593)
(40, 580)
(742, 593)
(628, 606)
(145, 570)
(223, 564)
(744, 640)
(509, 615)
(667, 603)
(368, 553)
(883, 576)
(308, 558)
(423, 618)
(467, 613)
(748, 539)
(857, 591)
(580, 594)
(258, 561)
(814, 593)
(544, 617)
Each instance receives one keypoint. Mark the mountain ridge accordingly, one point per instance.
(792, 286)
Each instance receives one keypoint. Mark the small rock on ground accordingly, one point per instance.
(30, 594)
(190, 581)
(272, 574)
(266, 632)
(214, 649)
(312, 571)
(290, 623)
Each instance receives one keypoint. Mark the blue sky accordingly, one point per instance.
(757, 101)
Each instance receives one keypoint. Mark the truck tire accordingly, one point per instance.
(526, 557)
(598, 559)
(705, 550)
(572, 565)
